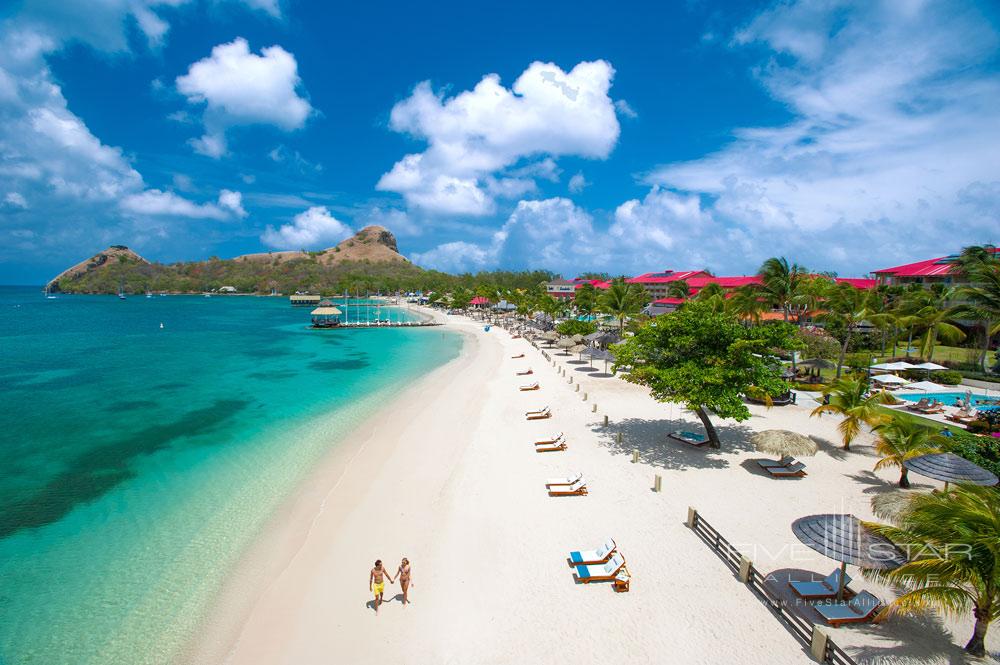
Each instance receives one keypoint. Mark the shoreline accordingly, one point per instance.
(281, 538)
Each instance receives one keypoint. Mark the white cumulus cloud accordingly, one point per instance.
(475, 135)
(314, 228)
(238, 87)
(153, 202)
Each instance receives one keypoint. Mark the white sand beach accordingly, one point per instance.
(447, 476)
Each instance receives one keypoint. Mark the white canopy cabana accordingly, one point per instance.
(930, 367)
(926, 386)
(894, 367)
(890, 380)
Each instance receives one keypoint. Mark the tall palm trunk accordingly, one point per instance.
(909, 342)
(977, 644)
(985, 351)
(843, 351)
(713, 436)
(904, 477)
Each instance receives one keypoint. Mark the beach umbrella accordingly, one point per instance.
(891, 505)
(893, 367)
(781, 442)
(846, 539)
(950, 468)
(600, 354)
(930, 367)
(577, 339)
(926, 386)
(890, 379)
(578, 349)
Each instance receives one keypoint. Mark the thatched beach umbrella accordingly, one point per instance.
(846, 539)
(565, 343)
(578, 349)
(781, 442)
(577, 339)
(950, 468)
(891, 505)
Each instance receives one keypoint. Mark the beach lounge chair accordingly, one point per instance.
(824, 588)
(525, 372)
(520, 355)
(860, 609)
(796, 470)
(550, 441)
(601, 573)
(553, 448)
(538, 415)
(532, 386)
(690, 438)
(536, 411)
(596, 557)
(770, 463)
(579, 488)
(569, 480)
(935, 407)
(922, 404)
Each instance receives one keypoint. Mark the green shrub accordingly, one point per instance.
(981, 450)
(978, 426)
(573, 327)
(948, 377)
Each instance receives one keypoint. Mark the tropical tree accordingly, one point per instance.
(780, 283)
(953, 544)
(810, 296)
(846, 307)
(622, 300)
(934, 315)
(848, 398)
(585, 299)
(981, 298)
(460, 298)
(706, 360)
(746, 303)
(678, 289)
(900, 439)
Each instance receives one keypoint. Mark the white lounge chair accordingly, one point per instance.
(579, 488)
(796, 470)
(824, 588)
(860, 609)
(530, 386)
(596, 557)
(550, 441)
(551, 482)
(783, 462)
(600, 573)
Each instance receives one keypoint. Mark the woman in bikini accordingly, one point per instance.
(405, 577)
(376, 582)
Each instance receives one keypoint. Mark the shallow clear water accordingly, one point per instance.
(136, 462)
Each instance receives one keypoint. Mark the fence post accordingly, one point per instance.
(817, 647)
(657, 483)
(605, 420)
(584, 396)
(635, 457)
(619, 437)
(745, 567)
(594, 409)
(692, 517)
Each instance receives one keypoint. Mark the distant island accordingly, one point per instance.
(368, 261)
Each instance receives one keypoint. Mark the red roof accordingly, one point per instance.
(929, 268)
(724, 282)
(857, 282)
(668, 301)
(479, 300)
(596, 283)
(665, 276)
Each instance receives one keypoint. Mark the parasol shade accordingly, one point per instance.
(846, 539)
(781, 442)
(950, 468)
(891, 505)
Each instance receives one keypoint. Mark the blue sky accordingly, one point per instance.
(572, 136)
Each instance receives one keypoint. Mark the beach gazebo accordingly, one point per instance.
(950, 468)
(326, 315)
(846, 539)
(780, 442)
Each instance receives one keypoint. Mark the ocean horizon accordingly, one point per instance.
(137, 462)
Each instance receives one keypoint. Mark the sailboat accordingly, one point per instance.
(121, 290)
(47, 293)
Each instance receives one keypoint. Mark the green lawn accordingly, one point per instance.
(941, 352)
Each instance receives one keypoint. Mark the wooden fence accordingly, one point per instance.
(810, 636)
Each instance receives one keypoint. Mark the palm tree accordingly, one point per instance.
(678, 289)
(953, 543)
(846, 306)
(622, 300)
(847, 398)
(810, 295)
(900, 439)
(585, 299)
(780, 282)
(746, 303)
(981, 266)
(714, 295)
(934, 316)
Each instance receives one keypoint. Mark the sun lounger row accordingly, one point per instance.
(540, 414)
(926, 406)
(861, 608)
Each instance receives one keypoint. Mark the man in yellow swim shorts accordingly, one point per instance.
(376, 582)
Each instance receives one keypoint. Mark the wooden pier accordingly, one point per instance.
(374, 325)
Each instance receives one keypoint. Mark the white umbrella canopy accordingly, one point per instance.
(782, 442)
(893, 367)
(930, 367)
(890, 379)
(926, 386)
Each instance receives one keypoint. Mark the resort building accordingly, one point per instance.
(926, 273)
(656, 283)
(561, 288)
(304, 299)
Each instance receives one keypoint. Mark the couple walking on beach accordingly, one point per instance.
(376, 580)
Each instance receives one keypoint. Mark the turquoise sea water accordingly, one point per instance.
(136, 463)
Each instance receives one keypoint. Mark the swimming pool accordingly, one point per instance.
(949, 399)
